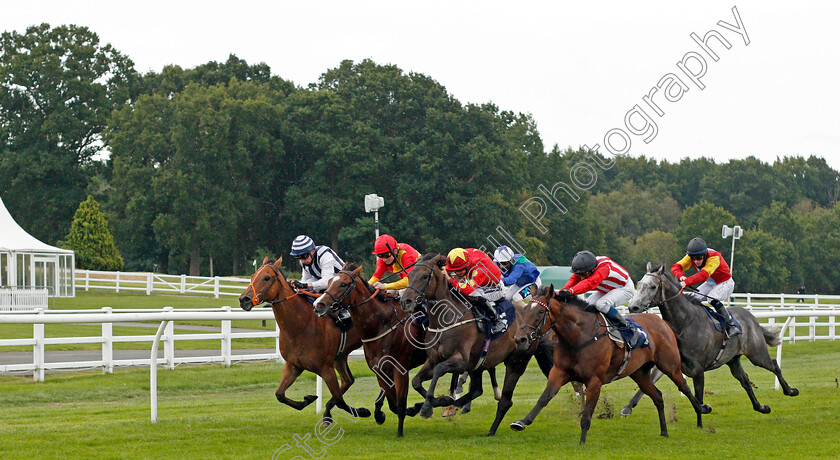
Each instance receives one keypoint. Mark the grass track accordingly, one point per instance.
(214, 412)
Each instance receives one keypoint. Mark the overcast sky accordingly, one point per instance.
(577, 68)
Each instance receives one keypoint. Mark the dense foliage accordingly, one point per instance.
(229, 162)
(91, 239)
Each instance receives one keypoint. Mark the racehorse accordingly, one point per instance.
(584, 356)
(703, 348)
(454, 344)
(307, 342)
(388, 334)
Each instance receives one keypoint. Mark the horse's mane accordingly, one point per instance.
(575, 300)
(668, 275)
(428, 256)
(350, 266)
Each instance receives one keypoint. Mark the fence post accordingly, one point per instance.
(87, 280)
(183, 283)
(38, 349)
(118, 282)
(169, 342)
(226, 338)
(107, 344)
(216, 287)
(831, 327)
(150, 281)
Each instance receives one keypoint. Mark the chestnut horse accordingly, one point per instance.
(582, 355)
(454, 344)
(307, 342)
(388, 337)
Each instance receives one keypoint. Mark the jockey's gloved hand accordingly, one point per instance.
(297, 284)
(481, 302)
(564, 294)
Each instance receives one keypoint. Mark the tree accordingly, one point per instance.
(657, 247)
(57, 88)
(704, 220)
(91, 239)
(763, 263)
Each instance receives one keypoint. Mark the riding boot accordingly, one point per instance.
(490, 311)
(732, 329)
(614, 316)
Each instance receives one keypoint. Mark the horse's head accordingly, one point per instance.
(649, 289)
(339, 291)
(534, 322)
(266, 285)
(423, 280)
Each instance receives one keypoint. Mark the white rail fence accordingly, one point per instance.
(20, 299)
(158, 283)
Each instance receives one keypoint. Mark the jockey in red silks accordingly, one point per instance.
(473, 273)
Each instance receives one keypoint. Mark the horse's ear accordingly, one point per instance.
(357, 271)
(649, 266)
(265, 260)
(551, 291)
(661, 269)
(278, 262)
(440, 261)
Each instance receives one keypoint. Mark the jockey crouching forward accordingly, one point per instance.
(714, 273)
(397, 259)
(518, 273)
(610, 281)
(318, 264)
(472, 273)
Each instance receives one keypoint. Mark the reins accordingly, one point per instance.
(277, 275)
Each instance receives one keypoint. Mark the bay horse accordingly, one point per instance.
(454, 345)
(388, 336)
(703, 348)
(307, 342)
(585, 354)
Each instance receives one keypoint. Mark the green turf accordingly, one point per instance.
(214, 412)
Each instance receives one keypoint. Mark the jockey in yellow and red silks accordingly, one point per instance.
(392, 257)
(713, 272)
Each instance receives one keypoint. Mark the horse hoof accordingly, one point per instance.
(426, 412)
(497, 394)
(705, 409)
(517, 426)
(450, 411)
(309, 399)
(326, 422)
(466, 409)
(379, 417)
(764, 409)
(362, 412)
(793, 392)
(627, 411)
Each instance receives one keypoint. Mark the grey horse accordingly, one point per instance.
(702, 347)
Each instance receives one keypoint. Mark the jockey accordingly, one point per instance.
(476, 276)
(392, 257)
(611, 282)
(713, 272)
(318, 265)
(518, 272)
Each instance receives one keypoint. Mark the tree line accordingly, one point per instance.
(229, 162)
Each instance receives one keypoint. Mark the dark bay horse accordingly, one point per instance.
(388, 337)
(585, 354)
(454, 345)
(307, 342)
(701, 345)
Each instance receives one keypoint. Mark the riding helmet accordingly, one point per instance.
(583, 262)
(384, 244)
(301, 245)
(503, 254)
(457, 259)
(696, 246)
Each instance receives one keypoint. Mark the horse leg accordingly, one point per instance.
(699, 381)
(425, 373)
(670, 366)
(642, 378)
(497, 393)
(473, 392)
(347, 380)
(401, 393)
(445, 367)
(739, 373)
(655, 375)
(512, 374)
(290, 374)
(378, 415)
(764, 360)
(556, 379)
(455, 389)
(593, 392)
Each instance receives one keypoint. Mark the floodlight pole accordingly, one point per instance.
(372, 204)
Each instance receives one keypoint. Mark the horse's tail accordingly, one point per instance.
(771, 334)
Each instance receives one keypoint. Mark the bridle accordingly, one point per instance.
(660, 291)
(276, 278)
(537, 332)
(421, 293)
(336, 301)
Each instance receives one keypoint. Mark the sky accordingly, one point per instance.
(579, 68)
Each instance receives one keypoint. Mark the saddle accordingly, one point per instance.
(719, 320)
(504, 310)
(623, 335)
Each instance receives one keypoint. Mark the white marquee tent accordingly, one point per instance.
(26, 262)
